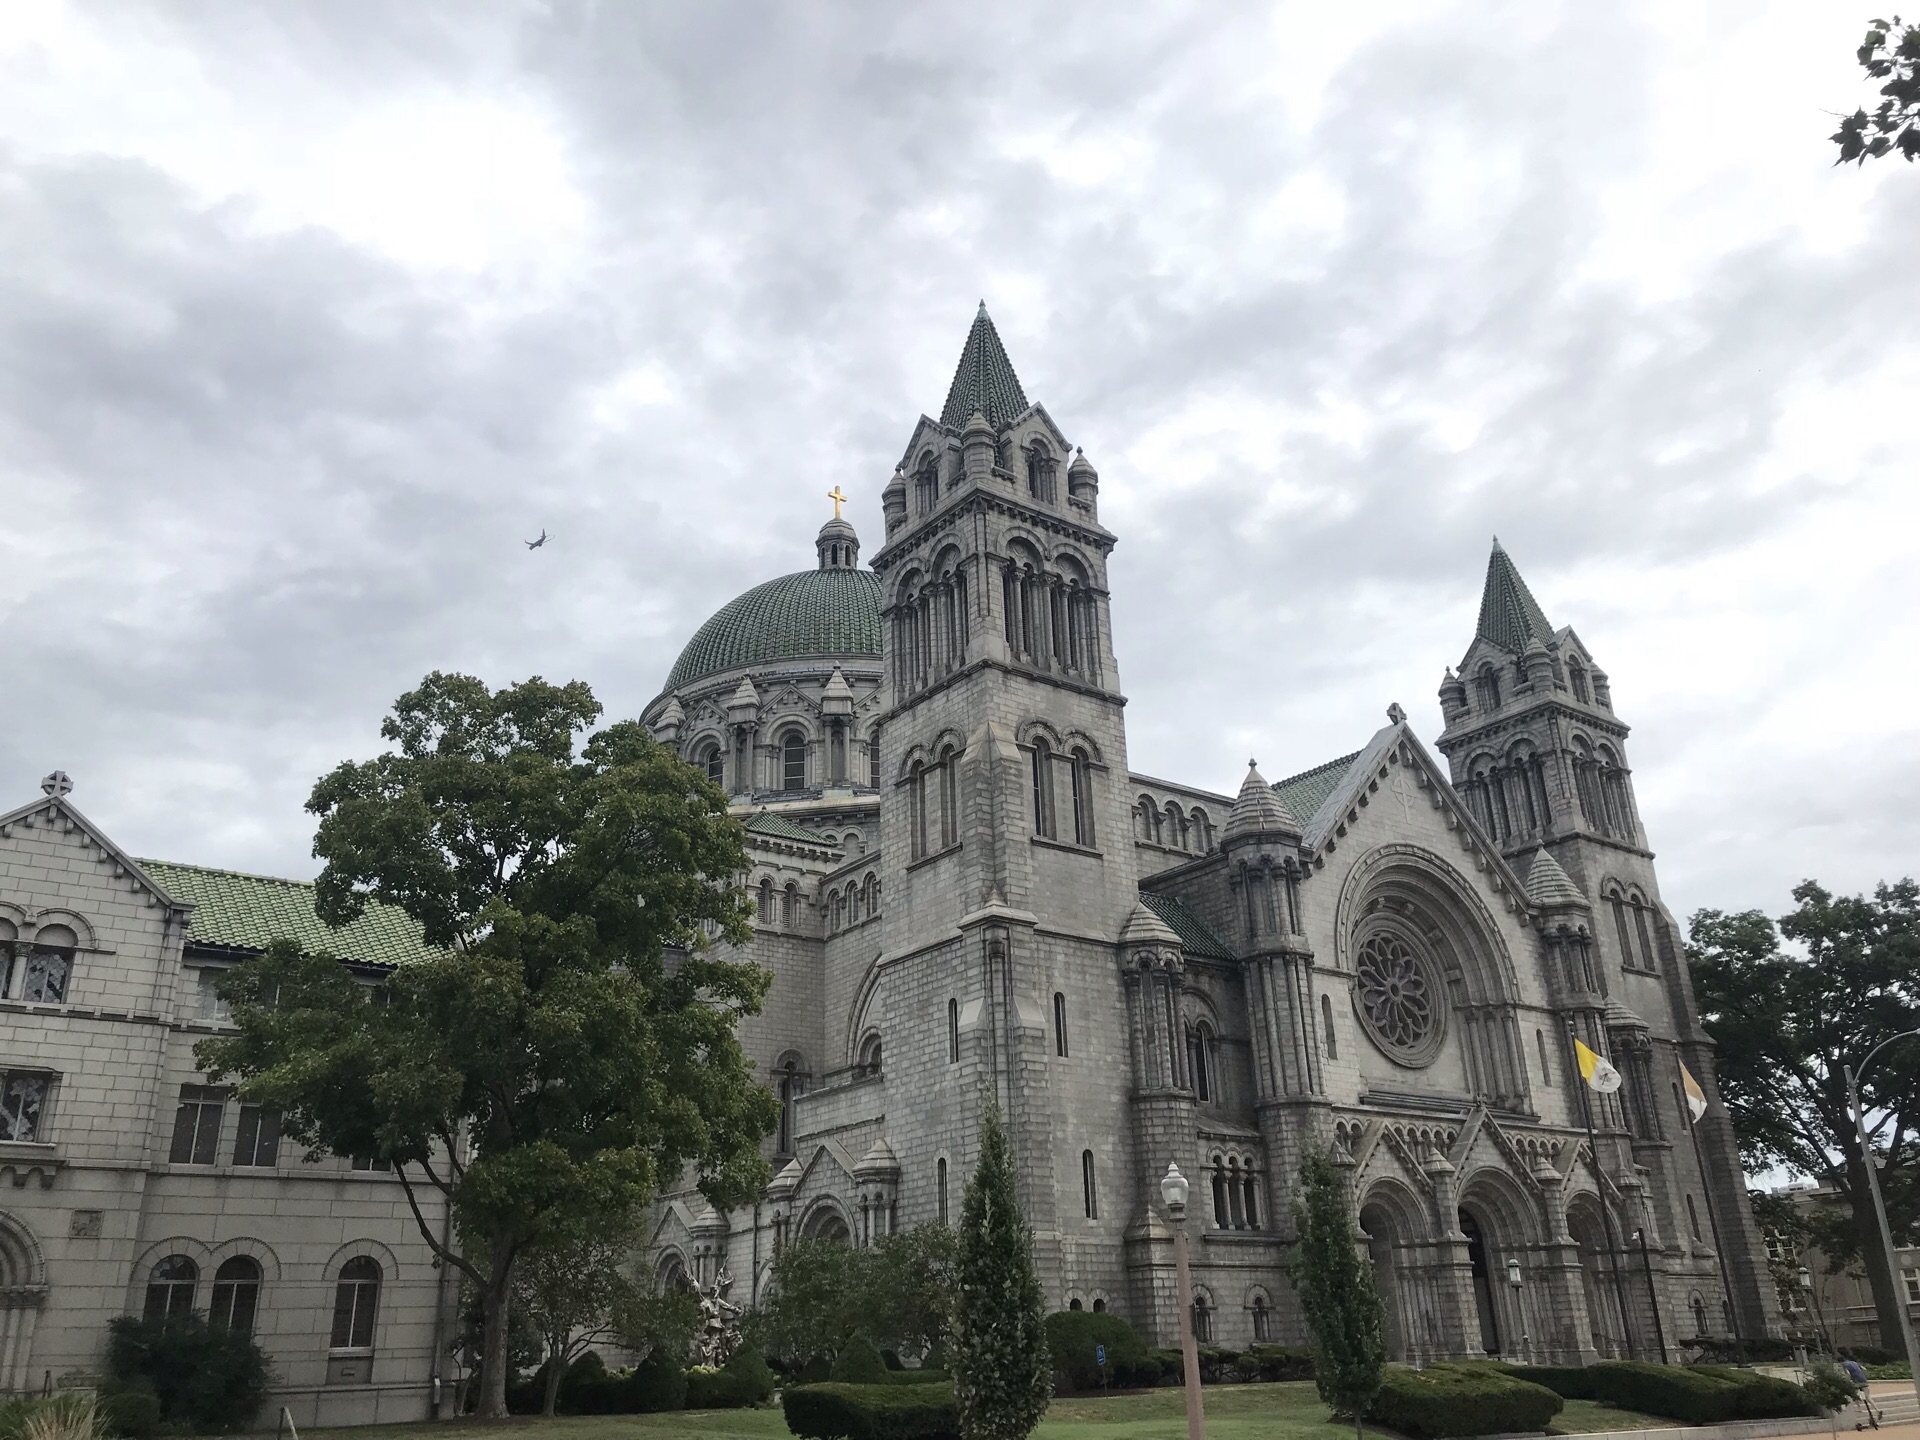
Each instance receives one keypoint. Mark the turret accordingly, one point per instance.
(1453, 697)
(1083, 484)
(837, 543)
(893, 502)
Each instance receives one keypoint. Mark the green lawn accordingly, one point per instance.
(1234, 1412)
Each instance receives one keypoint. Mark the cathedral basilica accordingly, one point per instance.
(965, 894)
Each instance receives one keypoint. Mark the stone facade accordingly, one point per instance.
(966, 895)
(136, 1187)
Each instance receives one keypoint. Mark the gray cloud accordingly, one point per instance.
(1320, 342)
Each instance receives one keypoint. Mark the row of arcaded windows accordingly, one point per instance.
(793, 769)
(1172, 827)
(1236, 1196)
(173, 1286)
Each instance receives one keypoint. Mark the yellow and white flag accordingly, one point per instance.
(1596, 1069)
(1696, 1097)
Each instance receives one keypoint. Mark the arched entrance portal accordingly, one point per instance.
(1399, 1246)
(827, 1223)
(1599, 1278)
(1483, 1292)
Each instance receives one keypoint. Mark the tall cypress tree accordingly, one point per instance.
(1002, 1375)
(1336, 1292)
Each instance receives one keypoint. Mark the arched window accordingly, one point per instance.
(1251, 1195)
(356, 1301)
(1262, 1320)
(790, 905)
(793, 761)
(1326, 1025)
(1693, 1218)
(1043, 790)
(1074, 1304)
(1540, 1041)
(170, 1287)
(870, 1056)
(766, 901)
(236, 1294)
(1486, 686)
(49, 966)
(873, 758)
(917, 809)
(1059, 1024)
(789, 1090)
(940, 1183)
(1199, 1061)
(712, 759)
(949, 799)
(1222, 1212)
(1619, 905)
(1099, 1306)
(1640, 912)
(1202, 1320)
(1040, 468)
(953, 1032)
(1699, 1308)
(1082, 799)
(1088, 1194)
(1577, 677)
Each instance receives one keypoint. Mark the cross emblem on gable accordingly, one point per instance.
(1400, 791)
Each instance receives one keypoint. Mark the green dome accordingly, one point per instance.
(816, 612)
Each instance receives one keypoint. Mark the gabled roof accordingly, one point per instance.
(1305, 793)
(984, 380)
(54, 805)
(765, 822)
(1509, 615)
(250, 912)
(1196, 936)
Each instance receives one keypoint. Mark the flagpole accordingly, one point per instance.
(1600, 1193)
(1706, 1193)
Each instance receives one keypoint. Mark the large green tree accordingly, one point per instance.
(1002, 1376)
(1336, 1292)
(569, 1042)
(1787, 1021)
(900, 1293)
(1891, 54)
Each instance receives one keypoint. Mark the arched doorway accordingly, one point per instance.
(1397, 1242)
(1484, 1303)
(1598, 1278)
(825, 1222)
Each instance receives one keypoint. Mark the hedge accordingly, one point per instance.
(859, 1362)
(871, 1412)
(1073, 1338)
(1697, 1394)
(1452, 1400)
(1275, 1362)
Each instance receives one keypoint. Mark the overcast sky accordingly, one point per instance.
(310, 314)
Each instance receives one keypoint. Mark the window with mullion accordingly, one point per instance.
(23, 1101)
(256, 1139)
(196, 1126)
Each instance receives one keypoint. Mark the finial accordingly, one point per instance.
(1395, 715)
(1496, 544)
(1253, 764)
(838, 500)
(983, 307)
(57, 784)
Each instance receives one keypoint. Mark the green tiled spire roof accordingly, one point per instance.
(252, 911)
(814, 612)
(1196, 936)
(1509, 615)
(1306, 792)
(765, 822)
(985, 380)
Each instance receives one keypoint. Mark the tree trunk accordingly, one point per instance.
(556, 1367)
(1887, 1297)
(493, 1349)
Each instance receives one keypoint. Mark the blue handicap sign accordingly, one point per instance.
(1099, 1354)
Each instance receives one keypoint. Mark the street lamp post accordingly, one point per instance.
(1173, 1190)
(1879, 1204)
(1526, 1340)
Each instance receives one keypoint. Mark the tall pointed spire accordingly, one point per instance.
(985, 381)
(1509, 615)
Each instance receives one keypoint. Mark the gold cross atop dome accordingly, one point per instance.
(838, 500)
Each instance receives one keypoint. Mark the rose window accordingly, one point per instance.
(1397, 999)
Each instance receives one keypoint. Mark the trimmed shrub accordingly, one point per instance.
(1574, 1382)
(581, 1385)
(755, 1375)
(859, 1362)
(871, 1412)
(922, 1376)
(131, 1411)
(1275, 1362)
(709, 1388)
(1828, 1386)
(1453, 1400)
(657, 1383)
(1163, 1367)
(1073, 1338)
(207, 1378)
(816, 1371)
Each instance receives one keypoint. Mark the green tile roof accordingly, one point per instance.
(1306, 792)
(765, 822)
(984, 380)
(1196, 936)
(814, 612)
(1509, 615)
(252, 911)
